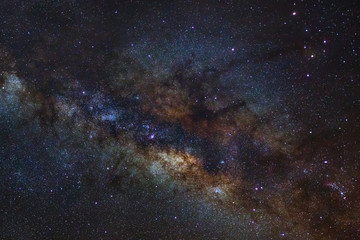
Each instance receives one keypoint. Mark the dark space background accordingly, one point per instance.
(179, 119)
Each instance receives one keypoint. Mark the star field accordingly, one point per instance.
(179, 119)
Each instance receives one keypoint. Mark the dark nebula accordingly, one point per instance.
(179, 119)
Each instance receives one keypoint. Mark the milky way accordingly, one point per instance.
(179, 120)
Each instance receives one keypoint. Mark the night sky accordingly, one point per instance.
(180, 119)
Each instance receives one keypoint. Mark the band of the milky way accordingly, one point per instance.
(179, 119)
